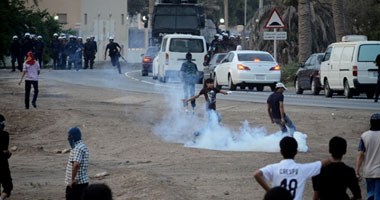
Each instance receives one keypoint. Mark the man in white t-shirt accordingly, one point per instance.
(287, 173)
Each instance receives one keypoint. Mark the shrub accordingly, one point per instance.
(288, 74)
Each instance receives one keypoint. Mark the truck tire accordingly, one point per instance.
(328, 91)
(347, 90)
(315, 89)
(299, 90)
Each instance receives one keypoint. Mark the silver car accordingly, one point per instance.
(208, 71)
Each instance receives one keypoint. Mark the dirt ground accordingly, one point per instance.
(141, 165)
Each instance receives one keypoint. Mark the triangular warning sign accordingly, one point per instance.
(275, 20)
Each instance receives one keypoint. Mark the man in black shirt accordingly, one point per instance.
(276, 112)
(378, 78)
(5, 174)
(335, 178)
(39, 49)
(89, 53)
(55, 46)
(209, 93)
(15, 50)
(114, 52)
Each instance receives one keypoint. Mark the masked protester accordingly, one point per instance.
(5, 174)
(76, 171)
(31, 71)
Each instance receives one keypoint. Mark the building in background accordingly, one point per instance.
(103, 19)
(67, 12)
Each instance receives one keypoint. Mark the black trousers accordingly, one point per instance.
(377, 89)
(28, 87)
(76, 192)
(5, 178)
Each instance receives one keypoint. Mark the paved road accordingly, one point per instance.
(133, 81)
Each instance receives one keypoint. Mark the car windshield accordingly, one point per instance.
(152, 51)
(217, 58)
(320, 58)
(186, 45)
(220, 58)
(368, 52)
(255, 57)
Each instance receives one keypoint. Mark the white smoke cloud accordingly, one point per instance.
(178, 127)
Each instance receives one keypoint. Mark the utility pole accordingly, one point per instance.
(245, 25)
(226, 14)
(151, 6)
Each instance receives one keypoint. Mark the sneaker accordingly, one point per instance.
(34, 105)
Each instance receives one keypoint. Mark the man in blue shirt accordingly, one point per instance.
(276, 112)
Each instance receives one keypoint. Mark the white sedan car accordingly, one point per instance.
(247, 68)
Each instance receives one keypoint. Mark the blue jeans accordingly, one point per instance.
(288, 127)
(115, 62)
(189, 91)
(373, 188)
(214, 119)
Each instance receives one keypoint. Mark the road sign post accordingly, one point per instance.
(274, 22)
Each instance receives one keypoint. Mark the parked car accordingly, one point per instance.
(348, 67)
(147, 60)
(173, 52)
(308, 75)
(208, 71)
(247, 68)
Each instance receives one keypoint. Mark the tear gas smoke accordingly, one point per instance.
(178, 127)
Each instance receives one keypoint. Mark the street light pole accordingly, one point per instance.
(226, 14)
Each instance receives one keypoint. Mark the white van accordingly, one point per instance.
(348, 67)
(174, 48)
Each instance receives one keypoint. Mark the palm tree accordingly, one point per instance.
(338, 13)
(304, 30)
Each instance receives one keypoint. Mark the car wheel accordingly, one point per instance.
(260, 88)
(299, 90)
(250, 87)
(347, 90)
(328, 91)
(370, 94)
(216, 85)
(315, 89)
(231, 84)
(242, 87)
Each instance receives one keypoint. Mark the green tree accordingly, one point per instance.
(17, 19)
